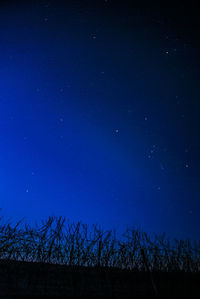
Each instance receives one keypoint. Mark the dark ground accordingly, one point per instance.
(25, 279)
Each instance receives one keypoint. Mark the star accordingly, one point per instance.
(161, 166)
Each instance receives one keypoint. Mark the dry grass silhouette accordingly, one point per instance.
(57, 241)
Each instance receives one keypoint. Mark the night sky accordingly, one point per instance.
(99, 113)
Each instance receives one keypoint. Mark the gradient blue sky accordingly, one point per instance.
(99, 114)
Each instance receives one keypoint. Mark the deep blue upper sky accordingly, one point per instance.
(99, 114)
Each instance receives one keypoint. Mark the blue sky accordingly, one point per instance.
(99, 116)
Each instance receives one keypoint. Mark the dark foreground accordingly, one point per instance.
(25, 279)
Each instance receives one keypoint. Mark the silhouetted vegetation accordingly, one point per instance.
(57, 241)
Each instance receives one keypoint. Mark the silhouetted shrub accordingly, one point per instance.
(76, 244)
